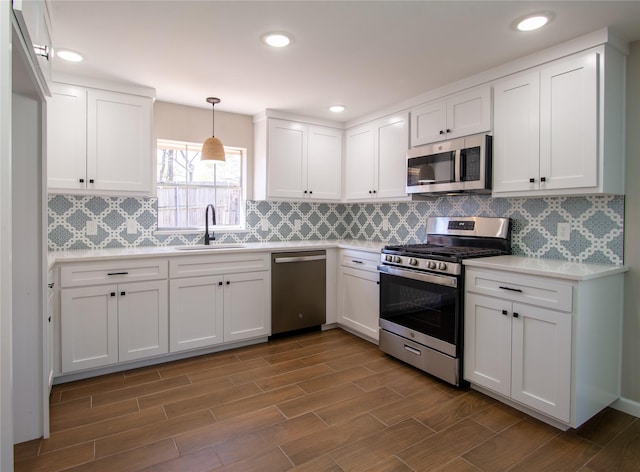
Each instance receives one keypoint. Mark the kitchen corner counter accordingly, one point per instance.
(85, 255)
(547, 267)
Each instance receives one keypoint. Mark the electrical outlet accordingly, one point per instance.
(264, 225)
(92, 228)
(385, 225)
(297, 225)
(564, 231)
(132, 226)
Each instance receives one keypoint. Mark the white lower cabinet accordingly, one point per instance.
(547, 345)
(218, 305)
(106, 324)
(358, 293)
(520, 351)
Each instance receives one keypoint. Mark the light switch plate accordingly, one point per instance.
(564, 231)
(385, 225)
(264, 225)
(132, 226)
(297, 224)
(92, 228)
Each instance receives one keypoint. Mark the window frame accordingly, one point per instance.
(241, 227)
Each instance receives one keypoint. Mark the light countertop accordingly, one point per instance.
(546, 267)
(87, 255)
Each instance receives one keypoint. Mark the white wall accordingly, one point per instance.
(631, 336)
(184, 123)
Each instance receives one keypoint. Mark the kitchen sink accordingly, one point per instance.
(212, 247)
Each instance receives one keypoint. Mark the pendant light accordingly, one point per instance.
(212, 148)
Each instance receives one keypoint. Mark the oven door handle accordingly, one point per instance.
(420, 276)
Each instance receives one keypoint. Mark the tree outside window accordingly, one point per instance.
(186, 185)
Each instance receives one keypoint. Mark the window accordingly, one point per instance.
(186, 185)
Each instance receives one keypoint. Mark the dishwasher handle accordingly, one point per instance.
(286, 260)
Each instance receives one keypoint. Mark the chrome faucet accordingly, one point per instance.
(207, 238)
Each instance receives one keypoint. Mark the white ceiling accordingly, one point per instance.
(366, 55)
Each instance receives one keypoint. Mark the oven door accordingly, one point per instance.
(422, 307)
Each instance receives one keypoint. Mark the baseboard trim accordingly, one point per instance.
(627, 406)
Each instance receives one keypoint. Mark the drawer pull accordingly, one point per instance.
(516, 315)
(412, 350)
(123, 294)
(511, 289)
(117, 273)
(50, 285)
(356, 261)
(113, 294)
(505, 312)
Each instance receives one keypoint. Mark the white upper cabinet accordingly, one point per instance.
(559, 128)
(34, 21)
(98, 141)
(459, 115)
(303, 161)
(376, 155)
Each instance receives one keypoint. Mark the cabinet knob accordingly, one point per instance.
(504, 312)
(532, 180)
(49, 319)
(305, 191)
(441, 131)
(515, 315)
(543, 179)
(219, 283)
(81, 181)
(90, 181)
(374, 191)
(42, 51)
(51, 285)
(113, 294)
(123, 294)
(370, 192)
(448, 130)
(228, 282)
(310, 192)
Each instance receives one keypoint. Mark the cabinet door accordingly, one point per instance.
(143, 320)
(469, 113)
(360, 164)
(324, 163)
(247, 312)
(392, 143)
(487, 338)
(196, 307)
(428, 123)
(287, 142)
(67, 137)
(569, 123)
(541, 360)
(516, 141)
(359, 306)
(118, 142)
(89, 327)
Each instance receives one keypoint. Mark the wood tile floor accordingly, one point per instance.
(323, 401)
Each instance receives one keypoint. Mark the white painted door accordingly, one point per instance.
(487, 337)
(360, 164)
(569, 123)
(429, 123)
(196, 306)
(247, 306)
(359, 307)
(516, 139)
(67, 137)
(324, 163)
(89, 327)
(143, 320)
(286, 173)
(541, 360)
(118, 142)
(469, 113)
(392, 142)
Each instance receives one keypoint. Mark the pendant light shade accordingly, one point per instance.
(212, 148)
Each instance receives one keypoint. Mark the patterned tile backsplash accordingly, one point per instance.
(597, 223)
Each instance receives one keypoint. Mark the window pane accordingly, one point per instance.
(200, 197)
(228, 206)
(182, 208)
(204, 172)
(229, 174)
(166, 206)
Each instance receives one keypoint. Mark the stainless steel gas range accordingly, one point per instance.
(422, 291)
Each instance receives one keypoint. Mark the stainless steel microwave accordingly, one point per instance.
(458, 166)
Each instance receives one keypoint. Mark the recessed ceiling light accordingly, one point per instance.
(69, 55)
(277, 40)
(533, 22)
(337, 108)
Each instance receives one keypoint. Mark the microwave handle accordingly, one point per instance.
(457, 166)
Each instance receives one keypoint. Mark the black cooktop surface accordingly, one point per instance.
(454, 252)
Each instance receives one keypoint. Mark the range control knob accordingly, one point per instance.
(388, 258)
(413, 262)
(397, 259)
(431, 265)
(442, 266)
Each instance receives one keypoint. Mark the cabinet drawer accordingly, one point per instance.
(360, 260)
(533, 290)
(75, 275)
(193, 266)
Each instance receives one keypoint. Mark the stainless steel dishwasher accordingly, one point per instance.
(298, 290)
